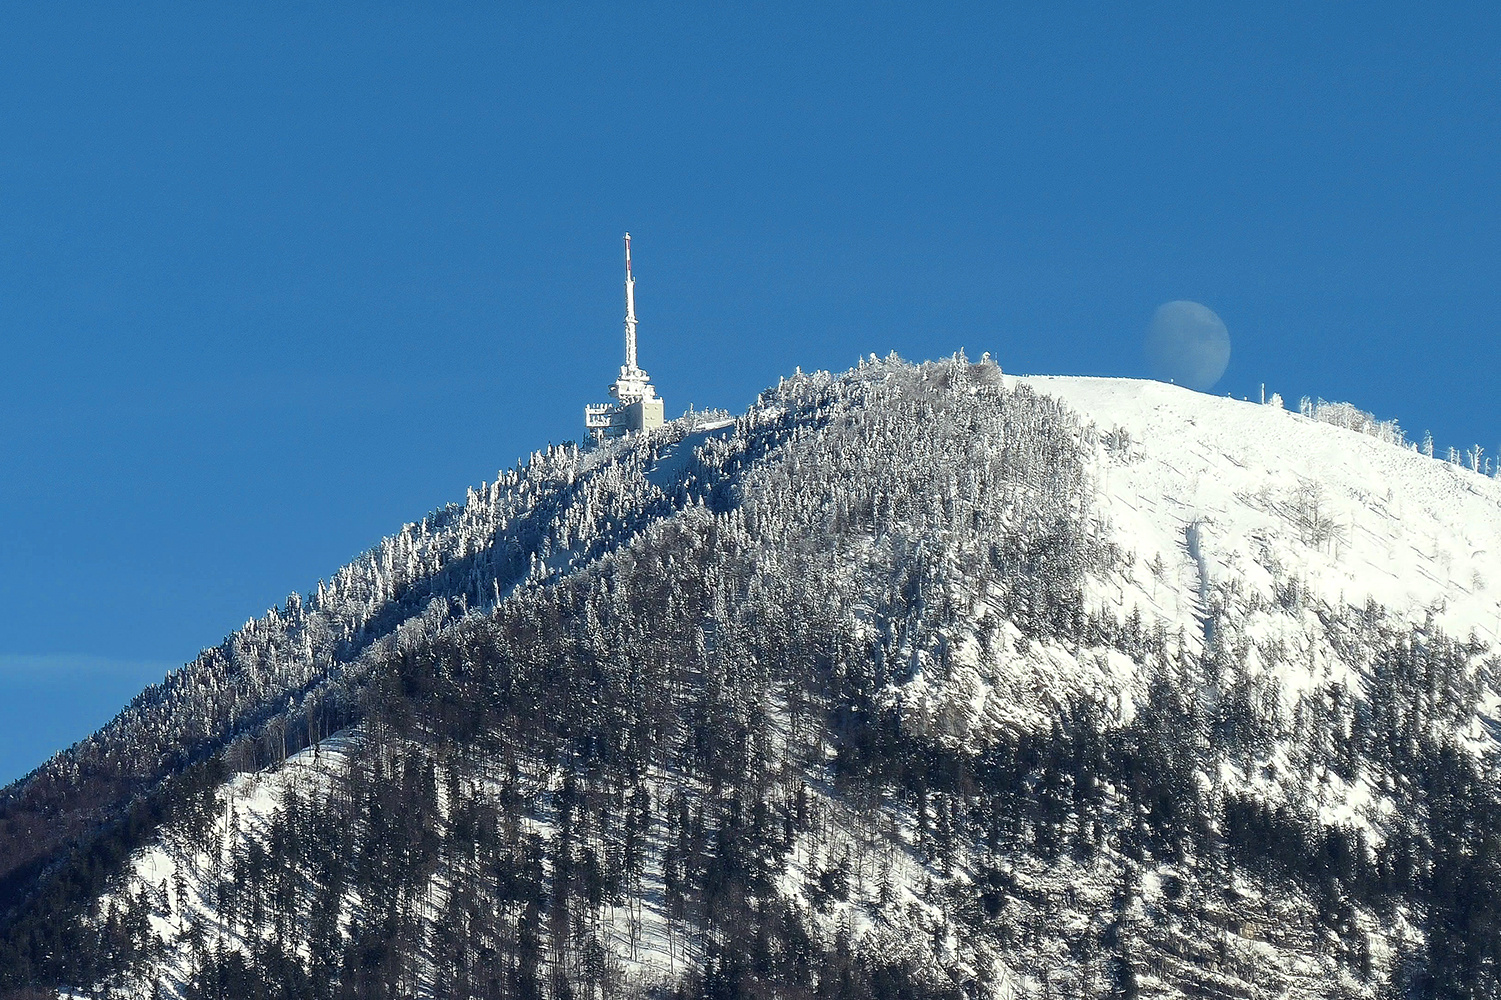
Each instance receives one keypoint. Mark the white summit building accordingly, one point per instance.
(637, 406)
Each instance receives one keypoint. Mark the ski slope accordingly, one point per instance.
(1410, 532)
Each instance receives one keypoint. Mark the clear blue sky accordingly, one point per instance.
(274, 279)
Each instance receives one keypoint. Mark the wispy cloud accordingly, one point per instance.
(55, 666)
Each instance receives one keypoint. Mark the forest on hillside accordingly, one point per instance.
(701, 736)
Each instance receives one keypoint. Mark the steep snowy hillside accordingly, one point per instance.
(914, 681)
(1269, 493)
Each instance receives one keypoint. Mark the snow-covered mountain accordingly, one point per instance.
(914, 681)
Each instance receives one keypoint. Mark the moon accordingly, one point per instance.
(1188, 344)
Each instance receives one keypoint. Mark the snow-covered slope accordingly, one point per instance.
(1272, 492)
(918, 681)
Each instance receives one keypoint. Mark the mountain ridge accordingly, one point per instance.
(920, 615)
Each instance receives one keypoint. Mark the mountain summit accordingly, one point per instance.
(914, 681)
